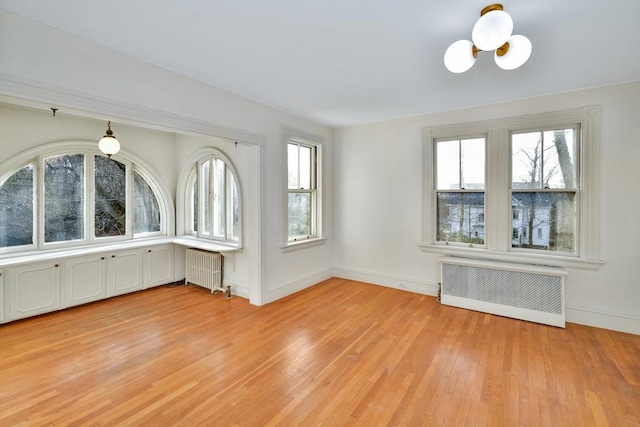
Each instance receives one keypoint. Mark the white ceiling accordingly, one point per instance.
(341, 63)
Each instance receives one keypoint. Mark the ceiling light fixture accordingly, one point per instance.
(492, 31)
(109, 145)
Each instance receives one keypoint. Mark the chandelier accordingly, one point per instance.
(492, 32)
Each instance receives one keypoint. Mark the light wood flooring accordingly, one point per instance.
(341, 353)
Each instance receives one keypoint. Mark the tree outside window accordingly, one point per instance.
(544, 189)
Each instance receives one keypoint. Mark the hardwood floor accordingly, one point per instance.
(340, 353)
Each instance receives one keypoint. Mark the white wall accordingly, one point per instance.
(377, 205)
(41, 64)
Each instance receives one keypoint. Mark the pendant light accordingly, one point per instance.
(109, 145)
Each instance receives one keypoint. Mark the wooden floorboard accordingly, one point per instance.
(341, 353)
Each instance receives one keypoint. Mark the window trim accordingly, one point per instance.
(190, 175)
(89, 149)
(498, 212)
(317, 214)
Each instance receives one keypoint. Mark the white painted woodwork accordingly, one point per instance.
(158, 265)
(3, 318)
(124, 272)
(34, 289)
(84, 280)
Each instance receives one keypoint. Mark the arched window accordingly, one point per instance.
(65, 194)
(212, 205)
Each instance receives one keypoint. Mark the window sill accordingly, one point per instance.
(294, 246)
(521, 258)
(12, 259)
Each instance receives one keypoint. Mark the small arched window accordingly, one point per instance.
(64, 197)
(213, 200)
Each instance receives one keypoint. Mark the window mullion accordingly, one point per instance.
(39, 182)
(498, 193)
(90, 197)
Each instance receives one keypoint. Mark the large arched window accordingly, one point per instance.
(212, 205)
(67, 194)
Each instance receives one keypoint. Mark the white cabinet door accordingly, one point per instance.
(84, 280)
(124, 272)
(34, 289)
(158, 266)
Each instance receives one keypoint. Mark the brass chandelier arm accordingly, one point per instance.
(491, 8)
(502, 50)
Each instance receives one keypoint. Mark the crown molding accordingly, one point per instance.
(27, 93)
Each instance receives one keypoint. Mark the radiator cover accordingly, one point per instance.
(519, 291)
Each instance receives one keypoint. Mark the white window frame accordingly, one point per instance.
(461, 190)
(193, 177)
(498, 211)
(292, 136)
(89, 150)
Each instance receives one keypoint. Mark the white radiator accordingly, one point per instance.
(204, 268)
(520, 291)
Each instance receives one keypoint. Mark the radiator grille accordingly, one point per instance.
(204, 268)
(505, 291)
(514, 288)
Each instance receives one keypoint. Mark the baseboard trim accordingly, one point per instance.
(299, 283)
(603, 319)
(389, 281)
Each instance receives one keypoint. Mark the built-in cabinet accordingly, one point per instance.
(124, 272)
(158, 266)
(34, 289)
(41, 287)
(84, 280)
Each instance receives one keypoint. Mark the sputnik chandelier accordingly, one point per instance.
(492, 31)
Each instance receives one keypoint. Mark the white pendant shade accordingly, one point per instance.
(492, 30)
(518, 53)
(109, 145)
(459, 56)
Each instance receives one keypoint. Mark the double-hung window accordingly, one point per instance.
(460, 187)
(521, 189)
(545, 189)
(304, 188)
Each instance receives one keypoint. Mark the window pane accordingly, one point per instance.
(526, 160)
(205, 198)
(194, 191)
(293, 167)
(16, 208)
(235, 208)
(147, 210)
(305, 168)
(461, 217)
(111, 197)
(472, 163)
(448, 165)
(64, 198)
(299, 215)
(545, 221)
(543, 159)
(559, 159)
(218, 198)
